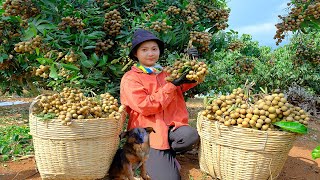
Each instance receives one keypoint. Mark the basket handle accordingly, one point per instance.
(36, 99)
(199, 122)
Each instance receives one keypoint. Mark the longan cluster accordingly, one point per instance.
(71, 57)
(5, 65)
(235, 110)
(103, 46)
(307, 52)
(235, 45)
(173, 10)
(201, 38)
(71, 104)
(113, 22)
(64, 73)
(243, 65)
(191, 13)
(107, 4)
(150, 5)
(218, 15)
(160, 26)
(72, 22)
(8, 30)
(28, 46)
(297, 15)
(43, 71)
(23, 8)
(196, 70)
(52, 54)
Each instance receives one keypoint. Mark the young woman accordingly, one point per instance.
(151, 101)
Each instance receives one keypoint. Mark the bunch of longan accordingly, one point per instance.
(28, 46)
(299, 13)
(72, 104)
(43, 71)
(191, 13)
(201, 38)
(236, 110)
(173, 10)
(103, 46)
(220, 16)
(160, 26)
(243, 65)
(196, 70)
(113, 22)
(235, 45)
(72, 22)
(307, 51)
(23, 8)
(71, 57)
(65, 73)
(150, 5)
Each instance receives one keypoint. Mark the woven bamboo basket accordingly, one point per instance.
(234, 153)
(82, 150)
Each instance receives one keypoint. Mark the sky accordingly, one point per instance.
(257, 18)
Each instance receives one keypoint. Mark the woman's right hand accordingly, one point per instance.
(182, 80)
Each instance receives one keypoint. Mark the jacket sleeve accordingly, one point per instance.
(135, 95)
(186, 87)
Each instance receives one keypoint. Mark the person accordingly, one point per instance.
(151, 101)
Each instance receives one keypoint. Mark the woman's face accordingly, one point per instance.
(148, 53)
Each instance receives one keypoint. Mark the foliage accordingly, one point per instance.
(276, 69)
(82, 43)
(316, 153)
(14, 142)
(295, 127)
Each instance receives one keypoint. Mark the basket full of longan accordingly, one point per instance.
(240, 138)
(75, 136)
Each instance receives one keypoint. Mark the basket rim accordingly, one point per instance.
(77, 120)
(222, 126)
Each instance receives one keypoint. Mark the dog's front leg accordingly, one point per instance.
(144, 174)
(128, 171)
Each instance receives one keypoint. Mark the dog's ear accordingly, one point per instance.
(123, 134)
(149, 130)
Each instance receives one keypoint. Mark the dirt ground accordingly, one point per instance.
(298, 166)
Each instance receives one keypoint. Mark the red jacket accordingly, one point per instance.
(151, 101)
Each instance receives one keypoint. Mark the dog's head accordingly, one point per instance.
(137, 135)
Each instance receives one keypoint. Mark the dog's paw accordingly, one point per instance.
(147, 177)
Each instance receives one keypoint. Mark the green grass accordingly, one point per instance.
(15, 142)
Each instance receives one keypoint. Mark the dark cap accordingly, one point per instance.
(141, 36)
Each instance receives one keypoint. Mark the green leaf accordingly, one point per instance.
(37, 51)
(3, 57)
(87, 63)
(53, 73)
(89, 47)
(92, 82)
(316, 153)
(43, 27)
(94, 58)
(29, 33)
(45, 60)
(295, 127)
(70, 67)
(5, 157)
(103, 61)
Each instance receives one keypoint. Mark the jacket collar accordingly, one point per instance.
(139, 70)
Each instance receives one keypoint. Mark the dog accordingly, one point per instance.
(132, 156)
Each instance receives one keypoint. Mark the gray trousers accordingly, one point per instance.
(162, 164)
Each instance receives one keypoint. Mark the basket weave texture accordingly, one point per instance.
(82, 150)
(241, 153)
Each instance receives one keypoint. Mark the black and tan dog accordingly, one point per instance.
(132, 156)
